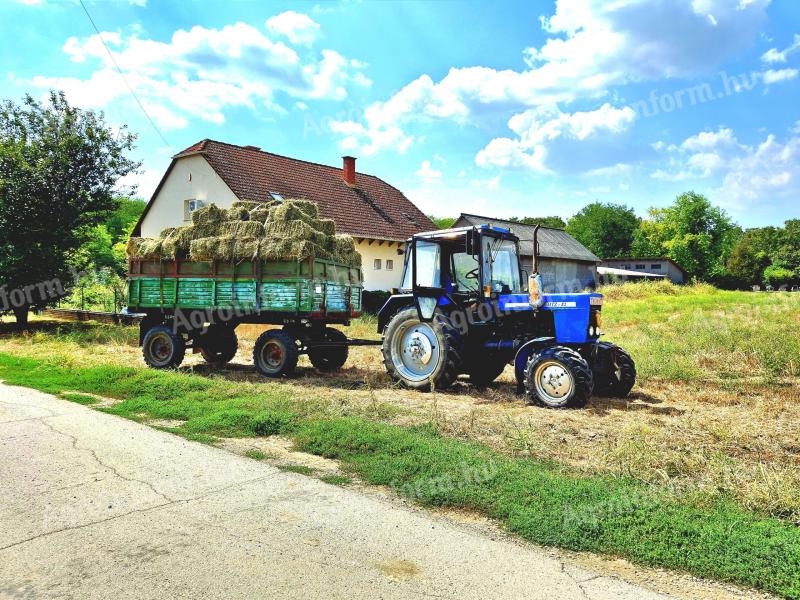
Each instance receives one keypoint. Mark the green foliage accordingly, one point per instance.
(605, 229)
(443, 222)
(695, 234)
(552, 222)
(59, 167)
(769, 255)
(778, 276)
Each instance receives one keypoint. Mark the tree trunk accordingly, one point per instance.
(21, 314)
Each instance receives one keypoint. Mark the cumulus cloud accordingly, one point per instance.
(203, 71)
(778, 75)
(773, 55)
(428, 174)
(548, 139)
(593, 45)
(297, 27)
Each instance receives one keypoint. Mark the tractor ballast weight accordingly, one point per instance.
(466, 307)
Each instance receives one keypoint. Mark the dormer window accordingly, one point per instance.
(277, 196)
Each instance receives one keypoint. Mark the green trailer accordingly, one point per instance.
(198, 305)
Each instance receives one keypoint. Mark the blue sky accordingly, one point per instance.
(509, 108)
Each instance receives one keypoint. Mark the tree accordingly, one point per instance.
(552, 222)
(442, 222)
(605, 229)
(105, 245)
(695, 234)
(749, 258)
(59, 166)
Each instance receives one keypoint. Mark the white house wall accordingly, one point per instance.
(191, 178)
(380, 279)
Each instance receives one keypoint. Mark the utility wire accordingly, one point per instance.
(121, 74)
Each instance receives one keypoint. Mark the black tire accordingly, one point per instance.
(556, 364)
(443, 345)
(481, 375)
(329, 359)
(162, 348)
(218, 345)
(275, 353)
(614, 372)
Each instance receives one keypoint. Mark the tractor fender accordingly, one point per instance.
(391, 306)
(524, 352)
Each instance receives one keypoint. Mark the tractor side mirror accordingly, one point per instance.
(401, 251)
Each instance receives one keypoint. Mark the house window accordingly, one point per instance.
(189, 206)
(377, 264)
(277, 196)
(389, 264)
(640, 267)
(655, 267)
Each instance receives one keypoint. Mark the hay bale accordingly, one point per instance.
(297, 230)
(208, 215)
(294, 210)
(327, 226)
(241, 229)
(132, 247)
(344, 250)
(278, 248)
(237, 213)
(259, 214)
(248, 205)
(150, 248)
(169, 231)
(209, 248)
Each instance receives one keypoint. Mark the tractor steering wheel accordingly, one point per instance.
(472, 274)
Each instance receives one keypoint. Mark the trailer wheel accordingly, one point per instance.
(163, 348)
(329, 359)
(275, 353)
(218, 345)
(558, 377)
(422, 355)
(615, 371)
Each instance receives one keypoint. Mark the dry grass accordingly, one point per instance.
(716, 411)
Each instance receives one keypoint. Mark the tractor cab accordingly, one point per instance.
(466, 306)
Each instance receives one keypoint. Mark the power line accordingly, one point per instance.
(121, 74)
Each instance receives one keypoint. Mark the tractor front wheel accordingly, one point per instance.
(422, 355)
(615, 371)
(275, 353)
(558, 377)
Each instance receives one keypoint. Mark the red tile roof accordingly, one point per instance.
(372, 208)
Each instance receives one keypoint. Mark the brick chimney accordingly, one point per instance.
(349, 170)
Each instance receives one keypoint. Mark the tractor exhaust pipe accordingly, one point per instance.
(535, 265)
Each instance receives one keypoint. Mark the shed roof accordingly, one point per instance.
(553, 243)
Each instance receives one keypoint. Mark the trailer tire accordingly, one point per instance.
(218, 345)
(329, 359)
(162, 348)
(275, 353)
(410, 345)
(558, 377)
(615, 371)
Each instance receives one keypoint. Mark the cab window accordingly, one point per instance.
(501, 267)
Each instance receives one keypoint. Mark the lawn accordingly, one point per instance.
(697, 471)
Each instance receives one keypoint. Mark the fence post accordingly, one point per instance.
(82, 297)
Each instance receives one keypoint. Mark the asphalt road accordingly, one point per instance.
(94, 506)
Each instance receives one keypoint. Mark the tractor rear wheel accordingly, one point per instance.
(422, 355)
(218, 345)
(615, 371)
(558, 377)
(275, 353)
(163, 348)
(329, 359)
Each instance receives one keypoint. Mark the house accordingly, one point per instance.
(648, 266)
(565, 264)
(376, 214)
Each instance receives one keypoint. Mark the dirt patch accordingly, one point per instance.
(398, 570)
(278, 451)
(165, 423)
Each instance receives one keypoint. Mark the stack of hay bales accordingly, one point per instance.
(291, 230)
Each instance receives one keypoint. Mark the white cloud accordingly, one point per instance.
(202, 72)
(490, 184)
(144, 180)
(31, 2)
(776, 76)
(773, 55)
(593, 45)
(297, 27)
(428, 174)
(547, 137)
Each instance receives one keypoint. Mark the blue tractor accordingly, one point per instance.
(466, 307)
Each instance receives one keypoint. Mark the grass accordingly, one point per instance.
(255, 454)
(302, 469)
(540, 500)
(336, 479)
